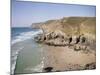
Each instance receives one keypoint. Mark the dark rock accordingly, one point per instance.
(44, 38)
(90, 66)
(78, 39)
(57, 71)
(70, 40)
(48, 69)
(83, 40)
(77, 48)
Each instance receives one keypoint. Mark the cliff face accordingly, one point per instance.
(79, 25)
(59, 32)
(36, 25)
(70, 25)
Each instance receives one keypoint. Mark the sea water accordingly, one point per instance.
(26, 56)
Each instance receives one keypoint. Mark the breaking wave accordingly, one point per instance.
(25, 35)
(21, 37)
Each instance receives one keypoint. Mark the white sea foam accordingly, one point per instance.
(25, 35)
(22, 37)
(37, 68)
(14, 58)
(13, 68)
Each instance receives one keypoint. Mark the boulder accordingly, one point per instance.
(48, 69)
(90, 66)
(77, 48)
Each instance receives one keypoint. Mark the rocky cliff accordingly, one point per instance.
(69, 25)
(60, 30)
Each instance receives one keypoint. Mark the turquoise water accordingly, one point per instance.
(26, 55)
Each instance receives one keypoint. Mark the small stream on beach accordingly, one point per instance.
(26, 54)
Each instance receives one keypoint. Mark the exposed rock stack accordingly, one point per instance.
(59, 38)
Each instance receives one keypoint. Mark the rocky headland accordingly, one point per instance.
(69, 43)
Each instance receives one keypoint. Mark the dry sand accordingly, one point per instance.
(65, 58)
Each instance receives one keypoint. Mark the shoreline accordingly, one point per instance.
(68, 44)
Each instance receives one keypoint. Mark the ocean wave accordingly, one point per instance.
(14, 57)
(25, 35)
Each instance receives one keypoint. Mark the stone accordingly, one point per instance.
(77, 48)
(48, 69)
(90, 66)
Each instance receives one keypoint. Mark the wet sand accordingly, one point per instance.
(65, 58)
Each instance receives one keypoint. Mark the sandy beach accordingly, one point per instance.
(65, 58)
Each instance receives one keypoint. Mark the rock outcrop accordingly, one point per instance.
(67, 31)
(59, 38)
(66, 39)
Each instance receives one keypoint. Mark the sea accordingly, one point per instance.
(26, 54)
